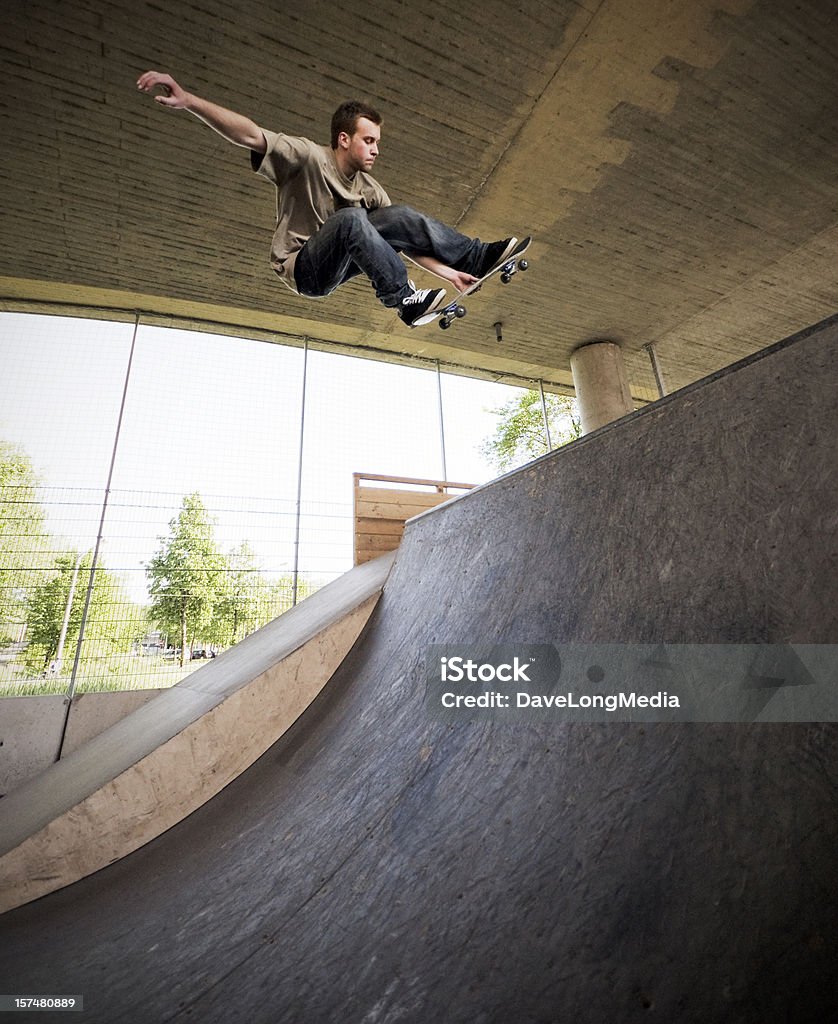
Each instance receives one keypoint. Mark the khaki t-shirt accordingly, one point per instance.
(309, 188)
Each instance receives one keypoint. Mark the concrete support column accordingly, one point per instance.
(601, 383)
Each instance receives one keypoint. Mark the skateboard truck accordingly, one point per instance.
(450, 313)
(508, 269)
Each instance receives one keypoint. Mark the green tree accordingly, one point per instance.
(520, 435)
(187, 576)
(23, 539)
(280, 595)
(111, 624)
(239, 611)
(250, 599)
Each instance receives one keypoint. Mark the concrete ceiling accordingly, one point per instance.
(676, 161)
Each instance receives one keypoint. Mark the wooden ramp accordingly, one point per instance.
(149, 771)
(386, 863)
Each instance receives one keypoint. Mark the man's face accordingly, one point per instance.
(361, 148)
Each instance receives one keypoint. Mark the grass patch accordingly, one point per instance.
(120, 674)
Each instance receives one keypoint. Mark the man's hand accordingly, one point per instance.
(235, 128)
(458, 278)
(172, 96)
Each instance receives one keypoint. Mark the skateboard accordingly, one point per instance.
(455, 310)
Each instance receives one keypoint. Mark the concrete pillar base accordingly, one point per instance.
(602, 388)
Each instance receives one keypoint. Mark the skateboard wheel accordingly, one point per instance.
(505, 278)
(460, 312)
(445, 324)
(523, 265)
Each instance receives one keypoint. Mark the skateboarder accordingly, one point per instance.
(334, 221)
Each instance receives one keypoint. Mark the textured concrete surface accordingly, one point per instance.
(30, 728)
(92, 713)
(379, 864)
(674, 159)
(30, 735)
(602, 389)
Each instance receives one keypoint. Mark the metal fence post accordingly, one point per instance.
(296, 575)
(441, 422)
(544, 414)
(651, 352)
(71, 689)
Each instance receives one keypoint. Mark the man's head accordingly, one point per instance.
(356, 131)
(345, 118)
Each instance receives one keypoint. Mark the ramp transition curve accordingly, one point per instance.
(379, 864)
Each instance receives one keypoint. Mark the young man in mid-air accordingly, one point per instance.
(334, 221)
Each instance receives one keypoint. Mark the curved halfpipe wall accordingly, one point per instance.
(382, 864)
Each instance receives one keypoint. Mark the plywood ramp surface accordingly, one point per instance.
(384, 862)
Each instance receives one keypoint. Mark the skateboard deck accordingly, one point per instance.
(455, 310)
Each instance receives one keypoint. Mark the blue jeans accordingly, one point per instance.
(358, 241)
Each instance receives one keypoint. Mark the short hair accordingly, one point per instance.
(345, 118)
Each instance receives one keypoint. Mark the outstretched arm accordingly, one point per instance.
(236, 128)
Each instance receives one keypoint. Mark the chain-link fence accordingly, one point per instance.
(163, 493)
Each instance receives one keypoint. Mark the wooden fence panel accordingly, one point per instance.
(381, 512)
